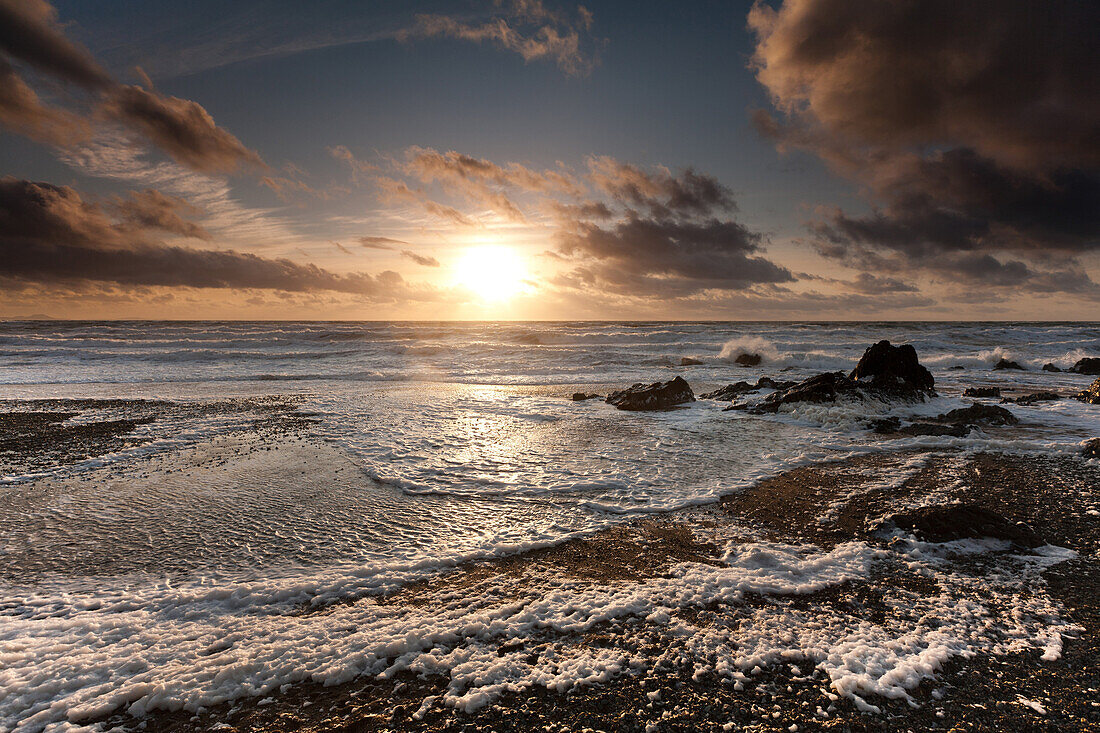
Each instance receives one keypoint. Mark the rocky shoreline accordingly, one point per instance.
(927, 587)
(990, 691)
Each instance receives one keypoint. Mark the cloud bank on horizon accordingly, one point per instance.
(970, 138)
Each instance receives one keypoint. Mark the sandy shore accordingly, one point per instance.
(674, 689)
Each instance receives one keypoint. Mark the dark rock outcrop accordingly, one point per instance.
(822, 388)
(885, 425)
(982, 392)
(748, 360)
(962, 521)
(1031, 399)
(1090, 394)
(580, 396)
(729, 392)
(892, 368)
(1092, 449)
(735, 390)
(1088, 365)
(1006, 364)
(979, 415)
(1049, 367)
(885, 371)
(688, 361)
(656, 396)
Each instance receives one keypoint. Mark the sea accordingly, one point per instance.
(133, 580)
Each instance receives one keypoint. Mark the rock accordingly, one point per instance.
(1092, 449)
(1049, 367)
(892, 369)
(735, 390)
(1006, 364)
(822, 388)
(961, 521)
(886, 425)
(656, 396)
(980, 414)
(982, 392)
(748, 360)
(884, 371)
(1088, 365)
(1031, 399)
(729, 392)
(580, 396)
(1090, 394)
(769, 383)
(688, 361)
(957, 367)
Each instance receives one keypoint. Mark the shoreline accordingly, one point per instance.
(819, 508)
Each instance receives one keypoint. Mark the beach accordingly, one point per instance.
(277, 527)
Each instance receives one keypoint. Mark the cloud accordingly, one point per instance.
(31, 33)
(22, 111)
(358, 167)
(654, 258)
(619, 228)
(380, 242)
(113, 156)
(51, 235)
(660, 191)
(394, 190)
(870, 284)
(483, 181)
(972, 129)
(420, 259)
(1014, 80)
(181, 128)
(151, 209)
(525, 27)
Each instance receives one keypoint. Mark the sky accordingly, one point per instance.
(528, 159)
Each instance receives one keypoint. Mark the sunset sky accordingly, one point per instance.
(804, 159)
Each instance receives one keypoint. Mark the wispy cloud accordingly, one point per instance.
(526, 27)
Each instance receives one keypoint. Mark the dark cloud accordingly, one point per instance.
(24, 113)
(973, 128)
(1014, 80)
(661, 192)
(151, 209)
(420, 259)
(585, 210)
(30, 32)
(652, 257)
(526, 27)
(49, 234)
(870, 284)
(181, 128)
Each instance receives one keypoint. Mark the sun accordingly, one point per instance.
(491, 272)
